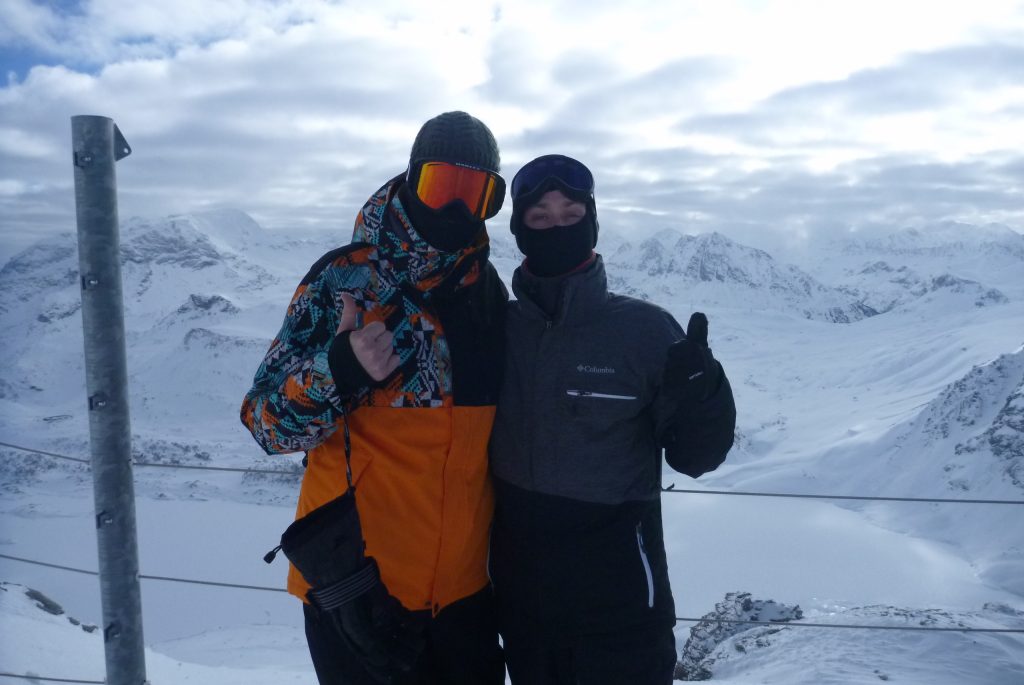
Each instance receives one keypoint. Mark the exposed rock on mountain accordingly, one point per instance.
(1004, 436)
(884, 287)
(698, 657)
(755, 653)
(893, 269)
(213, 304)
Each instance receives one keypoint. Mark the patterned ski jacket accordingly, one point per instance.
(419, 440)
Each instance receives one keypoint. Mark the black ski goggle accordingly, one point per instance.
(567, 171)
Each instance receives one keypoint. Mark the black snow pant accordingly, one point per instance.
(461, 648)
(645, 656)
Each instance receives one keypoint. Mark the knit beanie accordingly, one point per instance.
(457, 137)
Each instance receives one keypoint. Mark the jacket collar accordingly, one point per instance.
(582, 294)
(404, 254)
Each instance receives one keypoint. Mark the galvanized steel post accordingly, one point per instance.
(97, 144)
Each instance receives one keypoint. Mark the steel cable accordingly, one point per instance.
(678, 618)
(51, 680)
(670, 488)
(144, 576)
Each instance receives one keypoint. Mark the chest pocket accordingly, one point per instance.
(600, 419)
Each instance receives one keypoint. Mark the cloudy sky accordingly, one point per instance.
(757, 118)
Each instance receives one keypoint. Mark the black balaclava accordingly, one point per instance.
(448, 229)
(557, 250)
(452, 137)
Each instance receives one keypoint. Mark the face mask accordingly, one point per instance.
(449, 229)
(557, 250)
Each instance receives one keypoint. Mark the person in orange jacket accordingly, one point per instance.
(394, 344)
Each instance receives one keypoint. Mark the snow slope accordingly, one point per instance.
(32, 627)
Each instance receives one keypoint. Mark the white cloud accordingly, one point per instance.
(10, 187)
(296, 110)
(25, 23)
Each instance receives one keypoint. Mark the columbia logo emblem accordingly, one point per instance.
(584, 368)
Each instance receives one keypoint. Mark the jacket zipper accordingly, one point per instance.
(599, 395)
(548, 324)
(647, 565)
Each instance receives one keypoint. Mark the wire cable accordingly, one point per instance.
(678, 618)
(52, 680)
(48, 454)
(850, 625)
(215, 468)
(844, 497)
(669, 489)
(153, 464)
(143, 576)
(48, 565)
(169, 579)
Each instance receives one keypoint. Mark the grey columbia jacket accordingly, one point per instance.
(582, 422)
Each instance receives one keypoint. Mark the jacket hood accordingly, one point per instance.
(405, 255)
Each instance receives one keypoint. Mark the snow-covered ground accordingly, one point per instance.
(919, 395)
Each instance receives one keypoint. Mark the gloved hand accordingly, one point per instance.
(378, 629)
(691, 373)
(327, 548)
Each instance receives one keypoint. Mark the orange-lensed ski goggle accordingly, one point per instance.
(438, 183)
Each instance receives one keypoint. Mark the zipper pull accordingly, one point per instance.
(271, 555)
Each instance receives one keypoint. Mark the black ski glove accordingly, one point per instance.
(327, 548)
(691, 373)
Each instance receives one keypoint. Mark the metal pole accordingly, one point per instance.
(97, 144)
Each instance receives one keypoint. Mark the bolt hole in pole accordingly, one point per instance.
(97, 144)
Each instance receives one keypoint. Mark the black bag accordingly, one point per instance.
(327, 548)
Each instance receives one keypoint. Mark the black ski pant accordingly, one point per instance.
(461, 648)
(643, 656)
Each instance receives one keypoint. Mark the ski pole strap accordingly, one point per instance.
(344, 591)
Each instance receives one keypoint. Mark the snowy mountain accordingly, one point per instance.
(967, 442)
(920, 393)
(891, 269)
(715, 270)
(944, 240)
(200, 292)
(206, 291)
(883, 287)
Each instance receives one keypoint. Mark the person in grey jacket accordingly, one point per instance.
(597, 387)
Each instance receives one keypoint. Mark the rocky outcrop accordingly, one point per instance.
(726, 621)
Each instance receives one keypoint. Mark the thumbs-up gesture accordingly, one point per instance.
(372, 345)
(691, 373)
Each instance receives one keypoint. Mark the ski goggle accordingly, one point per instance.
(570, 173)
(438, 183)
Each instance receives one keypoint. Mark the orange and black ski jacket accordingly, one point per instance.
(419, 440)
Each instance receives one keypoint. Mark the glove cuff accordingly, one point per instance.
(345, 590)
(349, 375)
